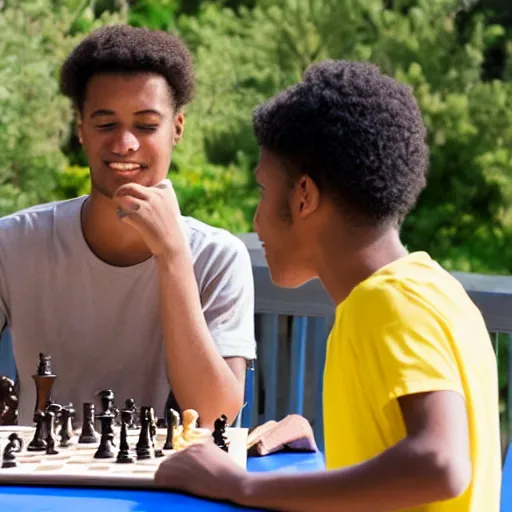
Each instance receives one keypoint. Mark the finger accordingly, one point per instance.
(128, 205)
(164, 184)
(134, 190)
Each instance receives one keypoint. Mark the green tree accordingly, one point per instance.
(463, 217)
(36, 119)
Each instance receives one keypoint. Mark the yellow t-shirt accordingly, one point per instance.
(410, 328)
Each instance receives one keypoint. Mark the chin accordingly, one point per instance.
(289, 279)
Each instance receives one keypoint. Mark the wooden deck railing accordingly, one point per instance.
(292, 328)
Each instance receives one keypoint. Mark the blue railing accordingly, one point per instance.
(292, 328)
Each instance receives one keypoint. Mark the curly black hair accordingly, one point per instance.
(122, 48)
(358, 134)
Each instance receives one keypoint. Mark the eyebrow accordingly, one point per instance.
(104, 112)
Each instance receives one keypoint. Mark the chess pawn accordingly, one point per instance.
(173, 422)
(190, 418)
(38, 442)
(49, 420)
(88, 434)
(8, 457)
(124, 457)
(107, 401)
(129, 405)
(104, 450)
(144, 446)
(66, 428)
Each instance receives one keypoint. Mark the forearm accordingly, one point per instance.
(404, 476)
(199, 376)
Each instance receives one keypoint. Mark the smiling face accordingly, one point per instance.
(285, 222)
(128, 128)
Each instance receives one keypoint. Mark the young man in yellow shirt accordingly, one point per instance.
(410, 386)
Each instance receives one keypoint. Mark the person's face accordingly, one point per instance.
(283, 222)
(128, 128)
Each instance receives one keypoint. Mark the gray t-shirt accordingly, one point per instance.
(99, 323)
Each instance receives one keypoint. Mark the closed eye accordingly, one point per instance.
(148, 127)
(105, 126)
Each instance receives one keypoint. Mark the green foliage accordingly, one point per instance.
(36, 120)
(248, 50)
(463, 217)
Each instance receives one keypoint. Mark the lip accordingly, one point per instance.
(128, 172)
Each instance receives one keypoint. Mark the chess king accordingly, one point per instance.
(117, 286)
(411, 411)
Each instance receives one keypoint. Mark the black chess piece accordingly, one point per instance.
(44, 380)
(38, 442)
(12, 447)
(152, 425)
(16, 442)
(88, 435)
(129, 405)
(173, 421)
(66, 425)
(219, 433)
(144, 444)
(8, 402)
(56, 409)
(104, 450)
(51, 438)
(124, 457)
(107, 401)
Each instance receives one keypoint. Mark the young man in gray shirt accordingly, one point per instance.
(117, 287)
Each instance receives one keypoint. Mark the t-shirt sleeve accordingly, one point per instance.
(227, 297)
(406, 343)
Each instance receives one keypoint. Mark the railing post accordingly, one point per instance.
(298, 365)
(268, 362)
(509, 394)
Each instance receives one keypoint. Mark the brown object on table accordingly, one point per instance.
(44, 380)
(293, 433)
(8, 402)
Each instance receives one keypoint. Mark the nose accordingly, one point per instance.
(124, 143)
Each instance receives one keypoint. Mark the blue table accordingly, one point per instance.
(66, 499)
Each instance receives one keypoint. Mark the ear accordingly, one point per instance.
(306, 197)
(179, 127)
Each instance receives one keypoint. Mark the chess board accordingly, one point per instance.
(76, 465)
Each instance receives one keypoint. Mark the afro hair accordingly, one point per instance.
(126, 49)
(358, 134)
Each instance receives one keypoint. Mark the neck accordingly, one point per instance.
(110, 239)
(346, 261)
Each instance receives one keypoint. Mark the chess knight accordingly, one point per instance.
(8, 402)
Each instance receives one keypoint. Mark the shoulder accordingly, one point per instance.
(413, 291)
(212, 244)
(40, 217)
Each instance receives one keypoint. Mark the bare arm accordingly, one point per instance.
(431, 464)
(200, 377)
